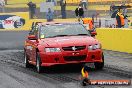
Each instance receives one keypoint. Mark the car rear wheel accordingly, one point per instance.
(27, 64)
(99, 65)
(38, 63)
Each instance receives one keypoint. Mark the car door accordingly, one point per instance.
(34, 44)
(28, 42)
(33, 50)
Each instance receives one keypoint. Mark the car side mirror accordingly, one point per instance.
(32, 37)
(93, 33)
(29, 33)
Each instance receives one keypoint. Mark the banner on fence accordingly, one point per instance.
(13, 20)
(45, 5)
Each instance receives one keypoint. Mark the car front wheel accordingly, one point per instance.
(38, 63)
(99, 65)
(27, 64)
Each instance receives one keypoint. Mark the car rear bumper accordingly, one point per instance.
(49, 59)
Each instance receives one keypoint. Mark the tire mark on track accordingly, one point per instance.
(118, 72)
(108, 69)
(57, 77)
(30, 72)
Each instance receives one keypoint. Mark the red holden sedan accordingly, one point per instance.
(51, 44)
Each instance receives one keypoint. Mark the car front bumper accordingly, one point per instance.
(70, 57)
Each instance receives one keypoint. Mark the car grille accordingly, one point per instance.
(75, 58)
(73, 48)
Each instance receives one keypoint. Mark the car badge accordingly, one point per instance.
(74, 48)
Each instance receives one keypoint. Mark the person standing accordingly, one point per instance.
(49, 15)
(55, 4)
(63, 8)
(120, 19)
(2, 6)
(112, 9)
(54, 1)
(84, 4)
(32, 9)
(79, 12)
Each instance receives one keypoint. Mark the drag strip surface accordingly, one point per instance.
(12, 39)
(12, 68)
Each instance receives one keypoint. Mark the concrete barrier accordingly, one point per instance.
(115, 39)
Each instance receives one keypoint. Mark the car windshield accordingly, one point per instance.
(60, 30)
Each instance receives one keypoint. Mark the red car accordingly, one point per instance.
(51, 44)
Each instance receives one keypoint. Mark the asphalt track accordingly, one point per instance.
(13, 74)
(12, 40)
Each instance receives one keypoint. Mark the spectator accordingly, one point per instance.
(63, 8)
(84, 4)
(32, 9)
(79, 12)
(81, 3)
(54, 1)
(120, 19)
(112, 9)
(2, 5)
(95, 19)
(49, 15)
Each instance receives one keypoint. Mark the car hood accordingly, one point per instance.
(69, 41)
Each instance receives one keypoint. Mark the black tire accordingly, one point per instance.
(99, 65)
(38, 63)
(27, 64)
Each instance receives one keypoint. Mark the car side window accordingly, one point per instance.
(34, 29)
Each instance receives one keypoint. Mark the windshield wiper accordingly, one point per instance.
(67, 35)
(58, 36)
(82, 34)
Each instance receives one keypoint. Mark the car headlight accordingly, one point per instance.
(94, 47)
(98, 46)
(52, 50)
(90, 47)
